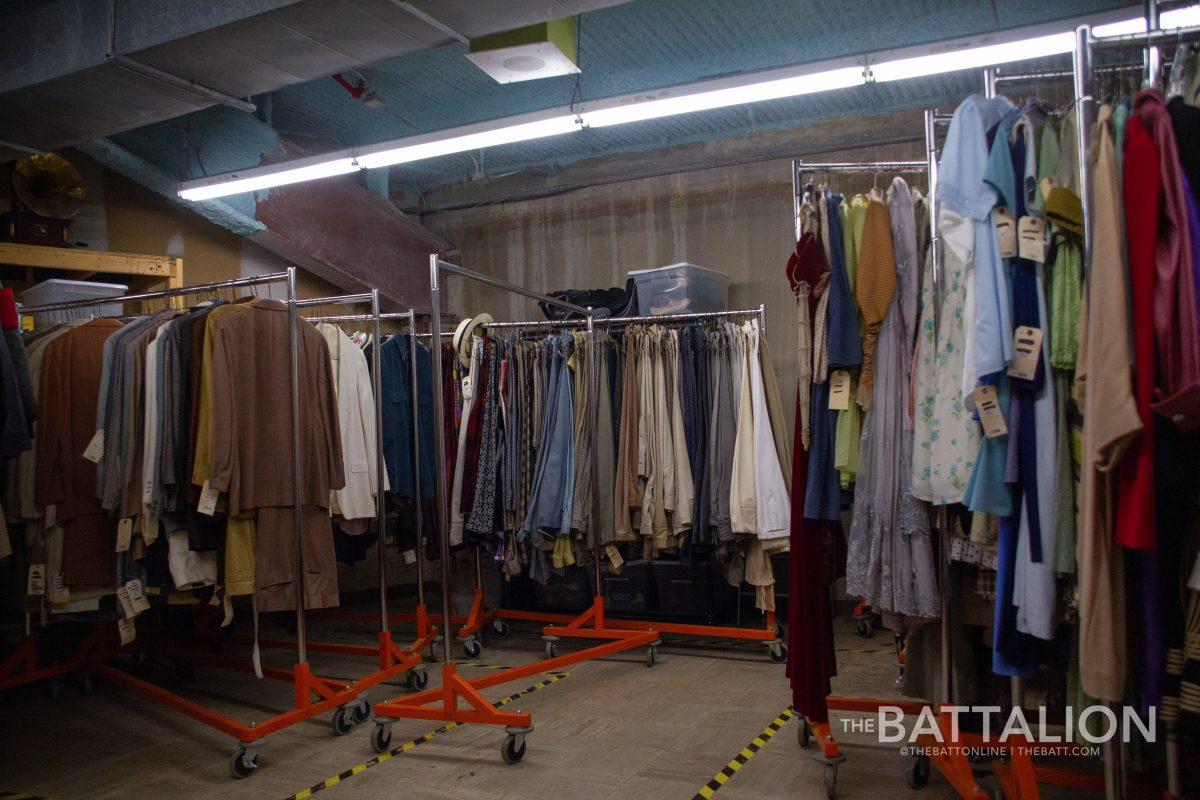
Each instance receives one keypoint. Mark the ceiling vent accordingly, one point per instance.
(525, 54)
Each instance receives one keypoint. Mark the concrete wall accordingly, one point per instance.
(736, 219)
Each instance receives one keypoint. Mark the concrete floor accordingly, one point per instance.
(611, 729)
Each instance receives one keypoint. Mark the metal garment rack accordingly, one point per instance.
(426, 633)
(594, 623)
(443, 703)
(952, 763)
(1083, 68)
(313, 694)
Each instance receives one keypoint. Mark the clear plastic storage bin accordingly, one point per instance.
(681, 288)
(58, 290)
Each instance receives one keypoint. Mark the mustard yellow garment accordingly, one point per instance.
(874, 288)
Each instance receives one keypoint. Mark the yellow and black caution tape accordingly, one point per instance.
(329, 783)
(748, 752)
(22, 796)
(479, 665)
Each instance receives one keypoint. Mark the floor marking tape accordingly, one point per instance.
(748, 752)
(328, 783)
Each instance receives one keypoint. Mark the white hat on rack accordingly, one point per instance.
(465, 332)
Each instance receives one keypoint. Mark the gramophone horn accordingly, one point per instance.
(49, 185)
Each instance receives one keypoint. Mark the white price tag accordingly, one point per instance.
(128, 629)
(1031, 232)
(410, 556)
(95, 448)
(36, 586)
(126, 603)
(1027, 351)
(1006, 231)
(136, 597)
(839, 390)
(990, 415)
(124, 534)
(208, 500)
(614, 555)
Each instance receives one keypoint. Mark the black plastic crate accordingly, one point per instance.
(633, 590)
(693, 590)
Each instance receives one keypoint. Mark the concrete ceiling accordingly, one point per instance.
(59, 87)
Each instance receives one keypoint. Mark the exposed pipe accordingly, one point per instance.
(154, 73)
(430, 21)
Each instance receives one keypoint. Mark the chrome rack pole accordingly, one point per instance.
(945, 690)
(418, 511)
(273, 277)
(989, 82)
(439, 445)
(593, 420)
(797, 194)
(1082, 68)
(1152, 55)
(297, 528)
(380, 467)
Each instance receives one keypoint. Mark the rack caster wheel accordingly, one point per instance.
(241, 766)
(343, 720)
(804, 735)
(918, 772)
(865, 628)
(551, 647)
(362, 711)
(651, 654)
(500, 629)
(472, 648)
(831, 781)
(416, 679)
(381, 737)
(777, 652)
(512, 749)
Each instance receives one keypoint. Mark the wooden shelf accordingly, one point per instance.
(92, 261)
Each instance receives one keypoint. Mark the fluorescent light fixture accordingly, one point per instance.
(445, 143)
(974, 57)
(264, 178)
(1042, 40)
(731, 92)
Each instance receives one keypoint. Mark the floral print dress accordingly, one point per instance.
(946, 436)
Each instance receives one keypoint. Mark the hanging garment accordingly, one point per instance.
(70, 387)
(395, 366)
(890, 557)
(772, 507)
(356, 421)
(874, 289)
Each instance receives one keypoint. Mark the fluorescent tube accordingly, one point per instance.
(263, 178)
(734, 91)
(973, 58)
(445, 142)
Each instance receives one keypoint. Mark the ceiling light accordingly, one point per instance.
(730, 92)
(975, 57)
(446, 142)
(252, 180)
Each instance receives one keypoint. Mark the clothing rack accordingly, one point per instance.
(594, 619)
(313, 694)
(459, 700)
(1083, 68)
(426, 634)
(952, 764)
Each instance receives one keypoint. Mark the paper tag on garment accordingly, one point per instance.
(128, 629)
(990, 415)
(149, 530)
(126, 603)
(839, 390)
(410, 556)
(1031, 233)
(208, 500)
(95, 448)
(136, 598)
(124, 534)
(51, 515)
(36, 585)
(1027, 350)
(1006, 231)
(614, 555)
(58, 589)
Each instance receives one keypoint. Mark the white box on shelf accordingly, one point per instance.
(681, 288)
(58, 290)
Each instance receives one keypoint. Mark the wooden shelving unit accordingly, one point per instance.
(91, 262)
